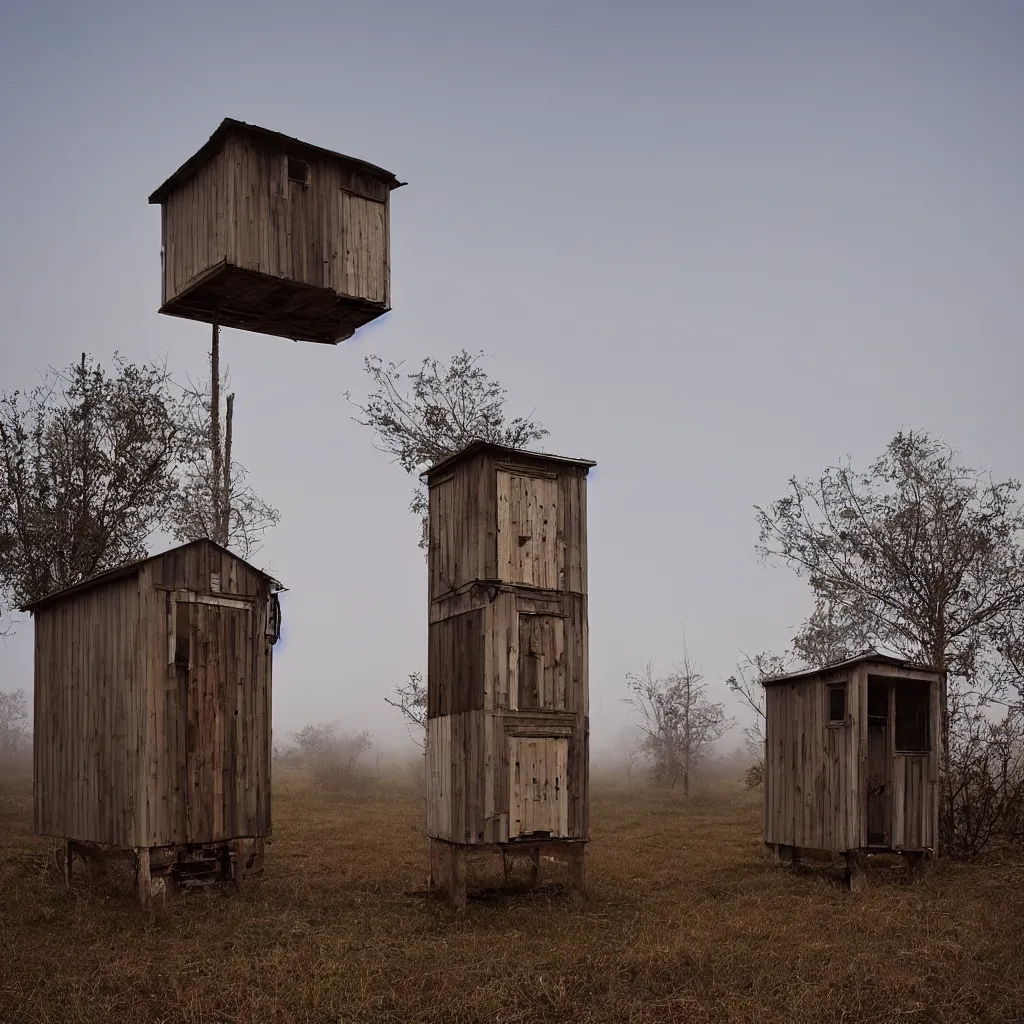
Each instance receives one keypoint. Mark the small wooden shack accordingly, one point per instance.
(507, 670)
(852, 761)
(152, 716)
(265, 233)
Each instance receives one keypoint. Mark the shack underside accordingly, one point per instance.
(249, 300)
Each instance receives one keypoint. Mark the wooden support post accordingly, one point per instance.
(144, 879)
(436, 878)
(578, 867)
(238, 849)
(855, 875)
(915, 863)
(67, 862)
(782, 855)
(505, 865)
(534, 867)
(456, 877)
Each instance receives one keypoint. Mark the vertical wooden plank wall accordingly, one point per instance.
(508, 628)
(241, 207)
(815, 772)
(112, 746)
(88, 705)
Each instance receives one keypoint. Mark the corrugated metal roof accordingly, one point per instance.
(253, 131)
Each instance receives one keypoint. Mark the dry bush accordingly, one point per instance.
(986, 784)
(337, 760)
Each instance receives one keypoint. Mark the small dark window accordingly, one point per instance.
(913, 701)
(298, 170)
(837, 703)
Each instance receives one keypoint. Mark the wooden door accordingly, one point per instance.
(216, 667)
(538, 801)
(878, 802)
(542, 663)
(361, 264)
(530, 549)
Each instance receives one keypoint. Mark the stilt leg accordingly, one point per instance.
(144, 879)
(67, 862)
(238, 849)
(855, 870)
(535, 867)
(456, 877)
(437, 878)
(578, 868)
(505, 866)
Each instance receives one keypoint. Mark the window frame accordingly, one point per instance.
(837, 723)
(303, 181)
(903, 686)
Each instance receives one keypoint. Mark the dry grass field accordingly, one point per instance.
(685, 921)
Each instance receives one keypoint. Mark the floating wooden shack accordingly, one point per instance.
(852, 761)
(267, 233)
(507, 676)
(152, 716)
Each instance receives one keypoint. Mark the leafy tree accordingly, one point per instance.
(677, 720)
(87, 472)
(918, 554)
(423, 417)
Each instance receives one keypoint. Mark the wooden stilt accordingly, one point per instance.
(534, 867)
(143, 877)
(239, 851)
(855, 875)
(67, 862)
(456, 877)
(505, 866)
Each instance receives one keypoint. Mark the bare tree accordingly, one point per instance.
(87, 472)
(14, 735)
(214, 498)
(412, 702)
(677, 720)
(919, 555)
(423, 417)
(333, 756)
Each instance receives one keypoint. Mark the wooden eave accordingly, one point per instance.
(867, 657)
(131, 569)
(502, 451)
(294, 147)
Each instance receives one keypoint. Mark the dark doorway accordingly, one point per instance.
(878, 763)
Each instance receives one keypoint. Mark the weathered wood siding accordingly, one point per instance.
(242, 208)
(812, 768)
(816, 773)
(471, 774)
(510, 521)
(153, 698)
(90, 703)
(507, 681)
(198, 225)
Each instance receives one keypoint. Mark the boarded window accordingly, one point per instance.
(298, 170)
(529, 547)
(913, 700)
(538, 803)
(541, 662)
(455, 660)
(837, 703)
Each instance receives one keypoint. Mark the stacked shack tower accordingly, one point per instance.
(507, 676)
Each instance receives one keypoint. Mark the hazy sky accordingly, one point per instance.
(711, 245)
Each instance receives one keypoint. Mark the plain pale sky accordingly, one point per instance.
(710, 245)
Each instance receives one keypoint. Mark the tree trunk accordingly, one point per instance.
(215, 483)
(225, 523)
